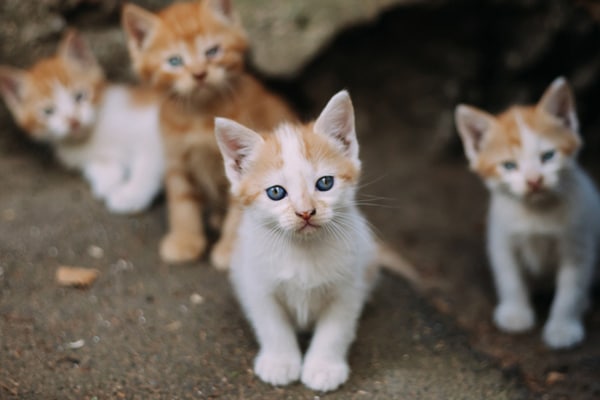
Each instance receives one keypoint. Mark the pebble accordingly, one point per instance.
(76, 344)
(196, 299)
(95, 252)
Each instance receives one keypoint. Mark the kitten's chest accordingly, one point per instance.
(522, 220)
(303, 305)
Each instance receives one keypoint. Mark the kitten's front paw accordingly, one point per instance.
(278, 368)
(125, 200)
(104, 181)
(323, 374)
(560, 334)
(220, 255)
(514, 317)
(180, 247)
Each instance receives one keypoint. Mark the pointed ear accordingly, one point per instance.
(223, 8)
(236, 143)
(473, 125)
(75, 49)
(12, 87)
(337, 122)
(139, 25)
(559, 102)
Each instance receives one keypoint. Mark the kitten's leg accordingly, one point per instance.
(185, 240)
(325, 367)
(103, 177)
(221, 253)
(513, 312)
(279, 360)
(564, 327)
(145, 181)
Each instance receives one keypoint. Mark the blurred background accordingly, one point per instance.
(406, 63)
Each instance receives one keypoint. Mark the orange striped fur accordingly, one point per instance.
(194, 53)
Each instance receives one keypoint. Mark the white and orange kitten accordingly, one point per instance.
(108, 132)
(305, 257)
(544, 216)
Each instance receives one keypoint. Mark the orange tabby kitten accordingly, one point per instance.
(109, 132)
(194, 53)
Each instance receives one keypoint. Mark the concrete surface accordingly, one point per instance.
(144, 338)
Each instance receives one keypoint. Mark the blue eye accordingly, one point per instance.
(276, 193)
(213, 51)
(547, 156)
(509, 165)
(48, 110)
(175, 61)
(79, 96)
(324, 183)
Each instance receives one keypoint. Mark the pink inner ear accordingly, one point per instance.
(77, 50)
(10, 84)
(138, 25)
(226, 7)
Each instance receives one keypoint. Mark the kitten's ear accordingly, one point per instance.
(337, 122)
(12, 86)
(223, 8)
(236, 143)
(559, 102)
(76, 50)
(139, 25)
(473, 125)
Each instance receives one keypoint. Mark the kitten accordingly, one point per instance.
(194, 52)
(108, 132)
(305, 256)
(543, 217)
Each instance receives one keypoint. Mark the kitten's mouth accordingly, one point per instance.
(308, 227)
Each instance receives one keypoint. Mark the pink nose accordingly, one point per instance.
(199, 75)
(74, 123)
(535, 184)
(306, 215)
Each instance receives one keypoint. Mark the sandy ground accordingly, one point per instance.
(144, 334)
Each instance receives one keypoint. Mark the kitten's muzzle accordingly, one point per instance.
(306, 215)
(199, 76)
(535, 185)
(74, 124)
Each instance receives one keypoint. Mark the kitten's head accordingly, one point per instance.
(189, 49)
(525, 150)
(55, 100)
(300, 179)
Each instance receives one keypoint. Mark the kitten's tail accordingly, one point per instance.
(392, 261)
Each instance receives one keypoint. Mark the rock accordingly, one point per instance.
(285, 35)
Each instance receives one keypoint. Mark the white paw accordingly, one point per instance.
(560, 334)
(278, 368)
(514, 317)
(127, 200)
(324, 374)
(105, 180)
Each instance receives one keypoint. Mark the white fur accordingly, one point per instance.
(550, 229)
(519, 237)
(122, 159)
(289, 285)
(289, 279)
(529, 236)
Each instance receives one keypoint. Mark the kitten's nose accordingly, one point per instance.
(305, 215)
(535, 184)
(74, 123)
(199, 75)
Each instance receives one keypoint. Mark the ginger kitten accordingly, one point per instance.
(305, 258)
(544, 217)
(109, 132)
(194, 53)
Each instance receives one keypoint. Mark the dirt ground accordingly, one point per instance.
(146, 330)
